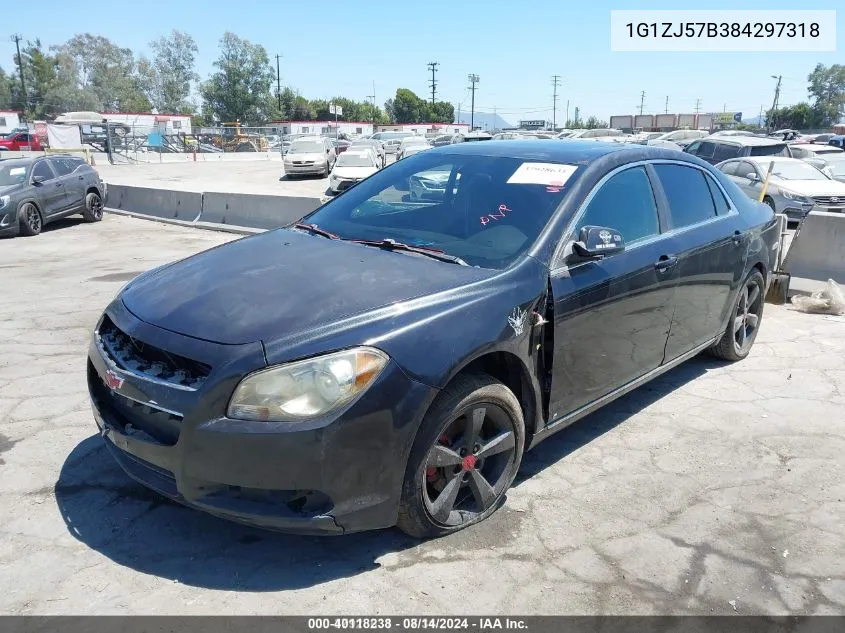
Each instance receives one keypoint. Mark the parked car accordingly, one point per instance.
(837, 141)
(391, 140)
(447, 139)
(477, 135)
(677, 138)
(428, 185)
(640, 137)
(352, 167)
(510, 136)
(570, 133)
(822, 139)
(409, 143)
(795, 188)
(312, 155)
(831, 164)
(384, 363)
(595, 133)
(340, 145)
(715, 149)
(373, 144)
(20, 142)
(37, 191)
(811, 150)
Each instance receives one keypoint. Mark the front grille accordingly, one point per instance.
(148, 361)
(135, 419)
(831, 200)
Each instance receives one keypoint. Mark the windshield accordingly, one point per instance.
(354, 160)
(487, 210)
(769, 150)
(306, 147)
(798, 170)
(12, 174)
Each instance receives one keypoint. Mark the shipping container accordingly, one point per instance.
(624, 122)
(665, 122)
(686, 121)
(644, 122)
(704, 121)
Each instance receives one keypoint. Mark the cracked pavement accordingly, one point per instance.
(715, 489)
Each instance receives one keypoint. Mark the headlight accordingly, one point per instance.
(795, 196)
(308, 388)
(4, 200)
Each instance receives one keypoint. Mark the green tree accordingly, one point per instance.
(827, 88)
(5, 90)
(390, 110)
(441, 112)
(801, 116)
(594, 122)
(171, 73)
(240, 89)
(408, 107)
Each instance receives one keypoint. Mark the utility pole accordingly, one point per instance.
(17, 40)
(278, 82)
(760, 118)
(642, 101)
(697, 106)
(725, 108)
(459, 111)
(495, 115)
(473, 79)
(373, 97)
(555, 84)
(775, 102)
(567, 112)
(576, 114)
(666, 109)
(433, 67)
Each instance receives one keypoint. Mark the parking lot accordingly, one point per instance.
(717, 489)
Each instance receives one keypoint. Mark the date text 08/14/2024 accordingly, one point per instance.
(417, 623)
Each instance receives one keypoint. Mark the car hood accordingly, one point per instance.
(8, 189)
(353, 173)
(312, 156)
(278, 283)
(814, 187)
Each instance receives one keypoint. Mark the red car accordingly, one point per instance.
(20, 142)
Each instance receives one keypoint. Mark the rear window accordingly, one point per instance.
(780, 149)
(705, 149)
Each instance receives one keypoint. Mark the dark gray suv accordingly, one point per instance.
(35, 191)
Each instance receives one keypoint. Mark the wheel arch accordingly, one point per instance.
(32, 201)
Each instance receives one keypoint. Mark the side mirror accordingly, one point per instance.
(38, 180)
(752, 176)
(598, 241)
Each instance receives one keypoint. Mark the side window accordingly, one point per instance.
(689, 196)
(721, 204)
(724, 151)
(625, 203)
(704, 149)
(729, 168)
(42, 170)
(62, 166)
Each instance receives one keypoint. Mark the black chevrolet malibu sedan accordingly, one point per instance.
(388, 360)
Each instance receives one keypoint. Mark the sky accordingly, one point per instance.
(340, 48)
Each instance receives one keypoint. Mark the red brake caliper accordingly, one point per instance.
(431, 471)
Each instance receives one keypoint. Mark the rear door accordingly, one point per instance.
(612, 315)
(49, 190)
(72, 177)
(703, 149)
(707, 237)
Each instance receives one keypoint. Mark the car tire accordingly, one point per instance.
(93, 211)
(745, 320)
(30, 220)
(472, 406)
(767, 200)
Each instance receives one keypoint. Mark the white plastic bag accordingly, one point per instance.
(831, 300)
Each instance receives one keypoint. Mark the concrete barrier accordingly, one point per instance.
(160, 203)
(253, 210)
(817, 252)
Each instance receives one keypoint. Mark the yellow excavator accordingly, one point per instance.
(233, 139)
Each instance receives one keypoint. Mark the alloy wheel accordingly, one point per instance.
(32, 218)
(747, 316)
(96, 207)
(471, 464)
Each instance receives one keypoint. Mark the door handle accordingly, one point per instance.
(82, 177)
(665, 262)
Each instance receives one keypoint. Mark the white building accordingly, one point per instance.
(352, 128)
(9, 120)
(425, 128)
(147, 121)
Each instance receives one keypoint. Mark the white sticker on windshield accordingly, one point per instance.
(17, 171)
(553, 174)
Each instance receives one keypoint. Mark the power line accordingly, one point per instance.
(433, 67)
(555, 84)
(642, 101)
(473, 78)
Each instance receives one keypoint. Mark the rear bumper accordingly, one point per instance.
(326, 476)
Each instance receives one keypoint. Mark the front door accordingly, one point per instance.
(50, 189)
(707, 237)
(72, 180)
(612, 315)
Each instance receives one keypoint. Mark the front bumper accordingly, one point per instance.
(8, 223)
(326, 476)
(316, 168)
(341, 185)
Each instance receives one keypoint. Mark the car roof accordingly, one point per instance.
(765, 160)
(562, 150)
(19, 161)
(744, 140)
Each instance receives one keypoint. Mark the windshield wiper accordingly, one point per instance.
(316, 230)
(393, 245)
